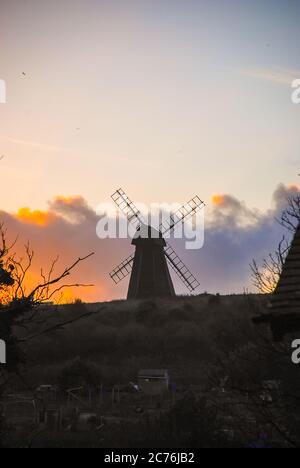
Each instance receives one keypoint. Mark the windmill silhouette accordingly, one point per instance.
(148, 265)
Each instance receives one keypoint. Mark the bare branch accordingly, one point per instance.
(43, 286)
(266, 277)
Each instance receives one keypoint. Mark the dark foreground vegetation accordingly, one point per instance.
(231, 385)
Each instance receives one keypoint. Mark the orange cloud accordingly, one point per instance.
(40, 218)
(66, 229)
(68, 200)
(218, 199)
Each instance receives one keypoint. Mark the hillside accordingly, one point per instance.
(120, 337)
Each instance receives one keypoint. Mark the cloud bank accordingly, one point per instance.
(234, 235)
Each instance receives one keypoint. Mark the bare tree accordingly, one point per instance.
(20, 307)
(290, 217)
(266, 276)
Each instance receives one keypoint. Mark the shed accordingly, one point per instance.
(153, 381)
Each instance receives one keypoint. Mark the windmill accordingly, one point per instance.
(148, 265)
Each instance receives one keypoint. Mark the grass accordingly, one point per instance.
(181, 335)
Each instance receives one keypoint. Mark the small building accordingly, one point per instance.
(153, 381)
(47, 393)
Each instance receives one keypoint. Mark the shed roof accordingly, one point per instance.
(286, 297)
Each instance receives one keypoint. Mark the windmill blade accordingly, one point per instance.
(128, 208)
(180, 269)
(182, 214)
(122, 270)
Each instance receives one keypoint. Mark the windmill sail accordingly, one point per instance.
(127, 207)
(182, 214)
(181, 269)
(122, 270)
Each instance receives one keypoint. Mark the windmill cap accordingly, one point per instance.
(146, 233)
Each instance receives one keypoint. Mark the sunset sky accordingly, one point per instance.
(165, 98)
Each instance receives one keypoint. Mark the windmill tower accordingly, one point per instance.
(150, 275)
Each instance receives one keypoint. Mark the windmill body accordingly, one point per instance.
(150, 276)
(148, 265)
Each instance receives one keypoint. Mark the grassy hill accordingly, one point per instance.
(120, 337)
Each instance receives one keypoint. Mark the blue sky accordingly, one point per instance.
(189, 96)
(165, 98)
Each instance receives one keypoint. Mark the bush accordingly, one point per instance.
(79, 373)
